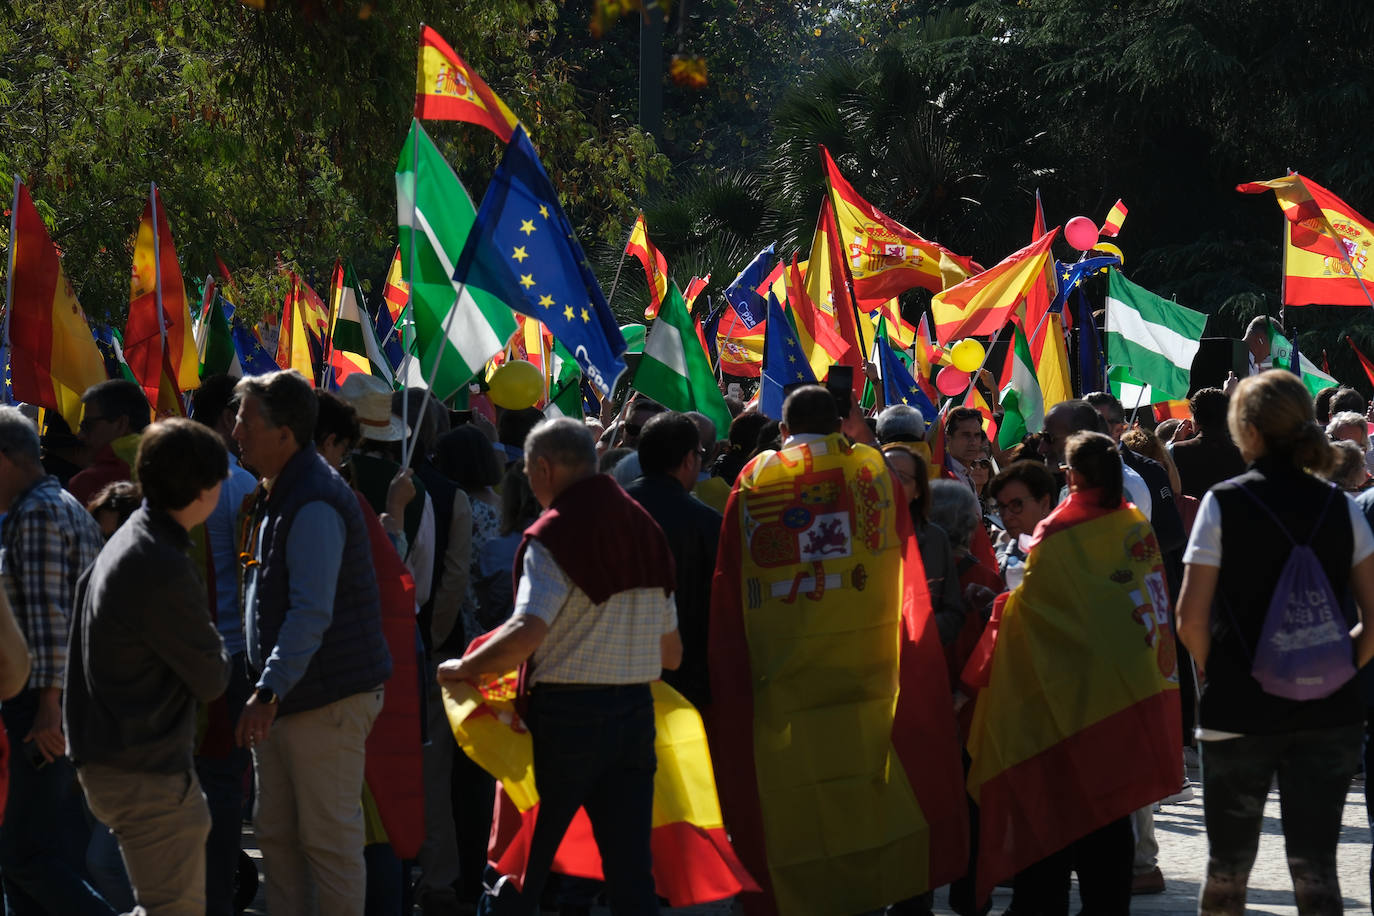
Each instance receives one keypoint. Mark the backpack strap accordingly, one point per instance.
(1321, 516)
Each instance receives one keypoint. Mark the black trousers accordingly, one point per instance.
(1103, 860)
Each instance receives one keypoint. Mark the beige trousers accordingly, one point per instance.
(309, 817)
(161, 821)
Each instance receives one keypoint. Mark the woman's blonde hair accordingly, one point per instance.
(1279, 408)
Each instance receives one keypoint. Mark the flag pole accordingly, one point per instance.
(410, 292)
(848, 275)
(624, 250)
(328, 372)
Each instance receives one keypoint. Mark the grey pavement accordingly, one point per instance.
(1182, 858)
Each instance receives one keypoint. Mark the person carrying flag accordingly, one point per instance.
(596, 619)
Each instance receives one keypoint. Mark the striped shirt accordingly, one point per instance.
(47, 541)
(612, 643)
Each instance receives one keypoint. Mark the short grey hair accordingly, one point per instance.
(901, 422)
(18, 435)
(955, 509)
(565, 442)
(286, 399)
(1347, 418)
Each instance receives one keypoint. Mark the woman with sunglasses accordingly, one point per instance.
(1021, 495)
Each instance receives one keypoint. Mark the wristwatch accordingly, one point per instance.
(265, 695)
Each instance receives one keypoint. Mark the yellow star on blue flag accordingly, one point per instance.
(520, 213)
(784, 363)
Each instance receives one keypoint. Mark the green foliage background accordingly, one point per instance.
(273, 133)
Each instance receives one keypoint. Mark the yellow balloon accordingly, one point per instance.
(516, 385)
(1109, 248)
(967, 355)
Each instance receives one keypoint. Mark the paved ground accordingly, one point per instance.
(1182, 858)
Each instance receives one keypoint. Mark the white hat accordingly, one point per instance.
(371, 398)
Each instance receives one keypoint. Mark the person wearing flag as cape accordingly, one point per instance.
(1077, 718)
(596, 618)
(836, 754)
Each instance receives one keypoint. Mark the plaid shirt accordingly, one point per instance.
(47, 541)
(612, 643)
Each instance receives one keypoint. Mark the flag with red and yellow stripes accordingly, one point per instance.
(885, 257)
(655, 266)
(397, 292)
(53, 357)
(158, 344)
(447, 89)
(693, 860)
(1077, 721)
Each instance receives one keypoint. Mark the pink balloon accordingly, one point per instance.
(1081, 233)
(951, 381)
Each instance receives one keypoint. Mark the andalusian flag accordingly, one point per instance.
(565, 392)
(674, 371)
(1326, 243)
(158, 341)
(215, 340)
(693, 861)
(53, 358)
(1131, 391)
(447, 89)
(1155, 338)
(655, 266)
(1022, 403)
(982, 304)
(836, 753)
(353, 332)
(885, 257)
(435, 215)
(1077, 722)
(1281, 353)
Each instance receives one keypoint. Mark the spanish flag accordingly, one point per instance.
(446, 89)
(158, 343)
(885, 257)
(693, 861)
(1077, 722)
(816, 330)
(298, 344)
(835, 745)
(828, 288)
(1050, 353)
(1326, 244)
(655, 265)
(982, 304)
(397, 289)
(53, 356)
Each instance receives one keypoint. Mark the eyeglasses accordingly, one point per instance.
(1014, 506)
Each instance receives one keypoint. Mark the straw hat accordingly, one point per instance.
(371, 398)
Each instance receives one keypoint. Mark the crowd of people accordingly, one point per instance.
(257, 608)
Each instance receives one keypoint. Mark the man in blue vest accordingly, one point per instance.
(313, 620)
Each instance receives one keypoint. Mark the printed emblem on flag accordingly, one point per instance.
(451, 81)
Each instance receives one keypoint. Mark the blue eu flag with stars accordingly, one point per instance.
(899, 386)
(784, 362)
(522, 250)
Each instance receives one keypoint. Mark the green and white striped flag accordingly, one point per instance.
(1131, 391)
(1022, 401)
(1152, 337)
(434, 215)
(566, 392)
(1281, 357)
(353, 331)
(674, 370)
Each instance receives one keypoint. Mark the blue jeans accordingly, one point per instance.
(44, 836)
(1314, 769)
(221, 779)
(594, 749)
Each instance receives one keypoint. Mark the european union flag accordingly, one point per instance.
(899, 386)
(784, 362)
(522, 250)
(1068, 277)
(253, 357)
(390, 343)
(743, 293)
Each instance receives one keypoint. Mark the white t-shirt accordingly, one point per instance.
(1204, 545)
(1204, 549)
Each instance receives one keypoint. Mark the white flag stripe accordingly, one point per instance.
(665, 346)
(1124, 320)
